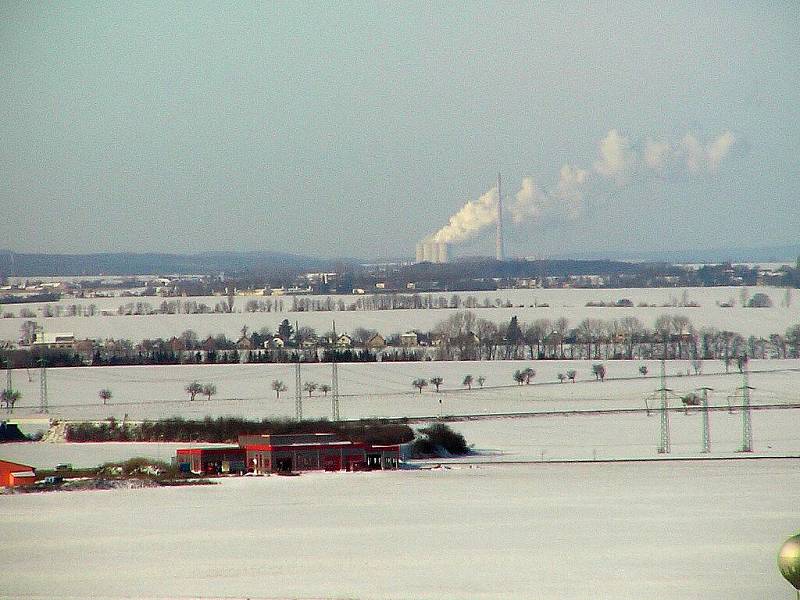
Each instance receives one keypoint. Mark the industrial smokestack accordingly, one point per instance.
(499, 249)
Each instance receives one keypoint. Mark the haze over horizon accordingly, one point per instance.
(360, 128)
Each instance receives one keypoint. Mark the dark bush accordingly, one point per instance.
(439, 440)
(228, 429)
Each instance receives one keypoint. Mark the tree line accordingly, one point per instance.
(462, 336)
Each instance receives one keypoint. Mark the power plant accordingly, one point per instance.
(471, 218)
(431, 251)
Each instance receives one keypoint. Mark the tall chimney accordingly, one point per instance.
(499, 250)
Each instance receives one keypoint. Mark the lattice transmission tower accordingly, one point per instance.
(706, 427)
(43, 404)
(298, 393)
(665, 445)
(334, 380)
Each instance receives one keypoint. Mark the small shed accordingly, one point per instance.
(13, 474)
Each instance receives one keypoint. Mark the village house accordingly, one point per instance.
(376, 342)
(244, 343)
(344, 341)
(409, 339)
(53, 341)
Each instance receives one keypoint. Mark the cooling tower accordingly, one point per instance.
(442, 253)
(428, 251)
(420, 252)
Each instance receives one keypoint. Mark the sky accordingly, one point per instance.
(356, 129)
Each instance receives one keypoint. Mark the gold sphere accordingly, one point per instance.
(789, 560)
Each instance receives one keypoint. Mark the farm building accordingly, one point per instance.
(291, 452)
(211, 461)
(14, 474)
(315, 451)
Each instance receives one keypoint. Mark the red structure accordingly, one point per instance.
(288, 453)
(315, 452)
(212, 461)
(14, 474)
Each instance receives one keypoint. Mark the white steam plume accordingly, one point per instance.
(689, 152)
(473, 216)
(616, 158)
(531, 202)
(618, 162)
(656, 154)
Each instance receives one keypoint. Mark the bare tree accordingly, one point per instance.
(419, 384)
(599, 371)
(572, 374)
(437, 381)
(105, 395)
(193, 389)
(561, 377)
(519, 377)
(467, 381)
(27, 332)
(643, 370)
(632, 331)
(488, 338)
(9, 397)
(209, 389)
(278, 386)
(481, 380)
(324, 388)
(561, 327)
(529, 374)
(310, 387)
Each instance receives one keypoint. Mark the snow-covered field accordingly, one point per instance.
(663, 531)
(385, 390)
(656, 530)
(527, 306)
(43, 455)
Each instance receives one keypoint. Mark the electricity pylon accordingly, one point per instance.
(334, 380)
(706, 429)
(665, 446)
(298, 393)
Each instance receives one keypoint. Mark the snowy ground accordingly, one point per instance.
(384, 390)
(44, 455)
(664, 531)
(527, 305)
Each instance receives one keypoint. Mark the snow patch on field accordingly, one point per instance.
(624, 531)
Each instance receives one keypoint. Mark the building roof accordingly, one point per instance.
(211, 450)
(10, 465)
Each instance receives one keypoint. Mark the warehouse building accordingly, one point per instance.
(14, 474)
(314, 452)
(288, 453)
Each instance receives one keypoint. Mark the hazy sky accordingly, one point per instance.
(356, 129)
